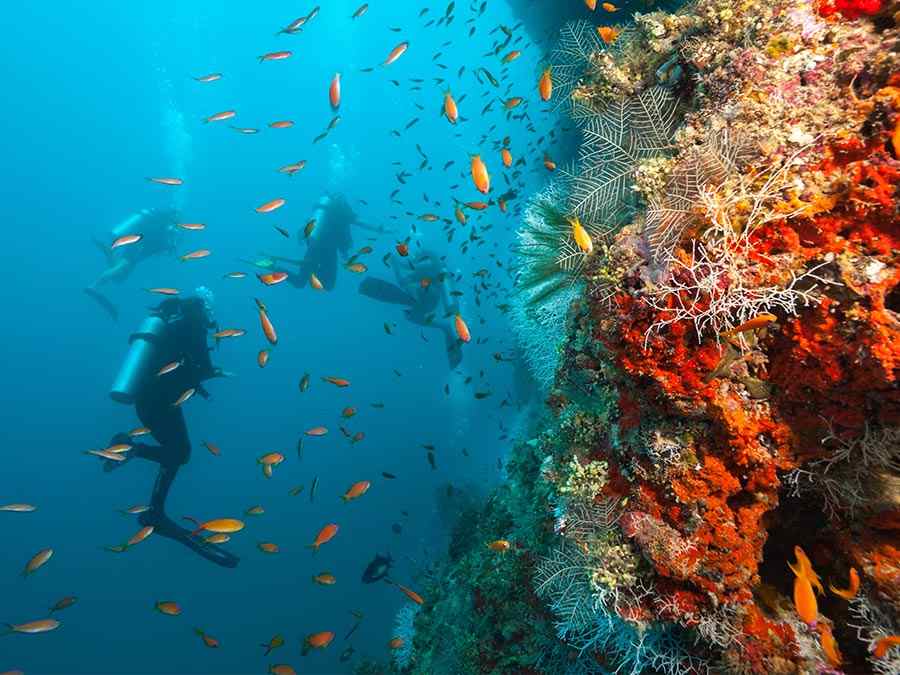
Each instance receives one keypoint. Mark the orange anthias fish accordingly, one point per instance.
(480, 175)
(229, 333)
(336, 381)
(275, 56)
(269, 461)
(325, 579)
(140, 535)
(451, 112)
(402, 249)
(395, 643)
(545, 84)
(268, 547)
(883, 645)
(37, 561)
(325, 535)
(462, 330)
(185, 396)
(281, 124)
(829, 645)
(549, 164)
(590, 4)
(34, 627)
(500, 545)
(274, 643)
(126, 240)
(334, 92)
(315, 282)
(506, 157)
(759, 321)
(220, 116)
(850, 592)
(411, 594)
(607, 33)
(270, 206)
(805, 565)
(196, 255)
(264, 321)
(512, 56)
(316, 431)
(396, 53)
(213, 448)
(218, 525)
(804, 597)
(272, 278)
(356, 491)
(317, 641)
(348, 412)
(208, 640)
(513, 102)
(167, 180)
(192, 226)
(262, 358)
(164, 291)
(609, 7)
(168, 607)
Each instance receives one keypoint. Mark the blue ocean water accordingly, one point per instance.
(97, 98)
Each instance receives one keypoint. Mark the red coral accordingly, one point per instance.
(850, 9)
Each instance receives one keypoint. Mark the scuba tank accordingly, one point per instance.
(320, 214)
(141, 356)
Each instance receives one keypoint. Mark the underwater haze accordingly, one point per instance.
(103, 97)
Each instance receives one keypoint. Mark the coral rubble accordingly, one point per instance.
(728, 386)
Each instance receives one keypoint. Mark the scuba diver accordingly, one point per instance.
(330, 233)
(421, 286)
(174, 333)
(157, 230)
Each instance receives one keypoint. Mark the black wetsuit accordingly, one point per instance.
(184, 338)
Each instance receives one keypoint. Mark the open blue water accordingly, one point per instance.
(97, 97)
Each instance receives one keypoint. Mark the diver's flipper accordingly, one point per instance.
(384, 291)
(454, 350)
(105, 250)
(104, 302)
(166, 527)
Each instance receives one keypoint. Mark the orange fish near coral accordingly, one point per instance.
(759, 321)
(411, 594)
(607, 33)
(590, 4)
(325, 535)
(850, 592)
(545, 84)
(829, 646)
(804, 597)
(883, 645)
(356, 490)
(581, 236)
(480, 175)
(500, 545)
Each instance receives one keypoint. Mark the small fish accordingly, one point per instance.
(274, 643)
(396, 53)
(296, 490)
(34, 627)
(255, 510)
(271, 205)
(229, 333)
(315, 283)
(163, 290)
(362, 9)
(804, 597)
(212, 77)
(281, 669)
(609, 7)
(140, 535)
(512, 56)
(324, 579)
(186, 394)
(357, 268)
(193, 227)
(356, 491)
(500, 545)
(411, 594)
(337, 381)
(759, 321)
(218, 538)
(196, 255)
(451, 111)
(135, 510)
(65, 603)
(167, 181)
(316, 431)
(235, 275)
(304, 382)
(545, 84)
(396, 643)
(18, 508)
(37, 561)
(247, 131)
(281, 124)
(850, 592)
(317, 641)
(348, 412)
(267, 547)
(325, 535)
(168, 607)
(312, 489)
(220, 116)
(607, 33)
(262, 358)
(883, 645)
(480, 175)
(276, 56)
(169, 367)
(272, 278)
(221, 525)
(462, 330)
(334, 91)
(581, 236)
(829, 645)
(208, 640)
(267, 327)
(126, 240)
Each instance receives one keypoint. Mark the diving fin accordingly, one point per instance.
(454, 351)
(104, 302)
(384, 291)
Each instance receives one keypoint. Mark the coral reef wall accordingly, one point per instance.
(717, 488)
